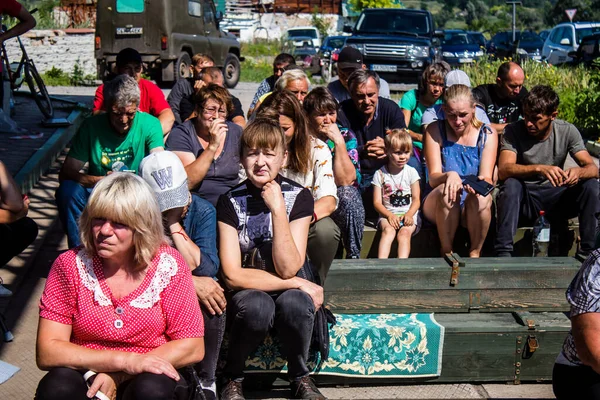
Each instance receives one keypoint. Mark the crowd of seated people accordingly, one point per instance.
(245, 220)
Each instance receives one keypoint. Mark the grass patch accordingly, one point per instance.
(255, 70)
(261, 48)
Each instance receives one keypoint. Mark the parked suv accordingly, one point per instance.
(396, 43)
(300, 32)
(167, 33)
(565, 38)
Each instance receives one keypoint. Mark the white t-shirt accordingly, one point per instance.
(395, 189)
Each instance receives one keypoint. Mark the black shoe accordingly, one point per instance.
(305, 388)
(209, 394)
(232, 390)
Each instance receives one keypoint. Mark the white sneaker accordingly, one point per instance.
(4, 292)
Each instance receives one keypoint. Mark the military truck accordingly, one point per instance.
(167, 33)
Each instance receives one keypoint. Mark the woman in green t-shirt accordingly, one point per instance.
(416, 101)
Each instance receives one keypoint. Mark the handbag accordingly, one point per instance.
(194, 388)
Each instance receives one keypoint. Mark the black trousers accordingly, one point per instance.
(254, 313)
(520, 202)
(15, 237)
(581, 383)
(214, 328)
(67, 383)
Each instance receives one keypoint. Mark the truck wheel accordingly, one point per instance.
(182, 67)
(231, 70)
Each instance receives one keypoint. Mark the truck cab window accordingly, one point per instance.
(130, 6)
(194, 8)
(209, 16)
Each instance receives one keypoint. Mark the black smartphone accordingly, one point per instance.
(480, 187)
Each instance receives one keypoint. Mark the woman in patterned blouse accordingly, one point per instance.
(309, 163)
(122, 306)
(321, 107)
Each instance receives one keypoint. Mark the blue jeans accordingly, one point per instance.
(254, 313)
(71, 199)
(200, 224)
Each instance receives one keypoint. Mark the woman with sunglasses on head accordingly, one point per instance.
(208, 145)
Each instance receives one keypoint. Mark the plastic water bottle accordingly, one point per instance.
(541, 236)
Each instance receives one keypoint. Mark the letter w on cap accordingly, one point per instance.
(163, 177)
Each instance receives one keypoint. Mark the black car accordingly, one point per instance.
(477, 37)
(588, 50)
(460, 47)
(397, 43)
(502, 46)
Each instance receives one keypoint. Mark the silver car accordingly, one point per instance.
(565, 38)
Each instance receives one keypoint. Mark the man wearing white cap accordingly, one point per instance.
(454, 77)
(191, 222)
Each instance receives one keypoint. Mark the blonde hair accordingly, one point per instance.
(398, 139)
(462, 92)
(127, 199)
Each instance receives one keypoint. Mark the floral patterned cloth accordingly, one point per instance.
(369, 345)
(351, 147)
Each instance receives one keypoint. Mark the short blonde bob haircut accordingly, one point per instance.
(127, 199)
(398, 139)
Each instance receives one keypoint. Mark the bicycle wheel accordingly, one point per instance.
(38, 90)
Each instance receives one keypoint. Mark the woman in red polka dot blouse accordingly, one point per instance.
(119, 314)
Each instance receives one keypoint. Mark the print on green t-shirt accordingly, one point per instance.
(98, 143)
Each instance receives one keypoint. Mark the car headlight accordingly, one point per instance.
(358, 46)
(479, 53)
(447, 54)
(419, 51)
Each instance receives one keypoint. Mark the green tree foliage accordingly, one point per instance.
(442, 17)
(587, 10)
(319, 22)
(359, 5)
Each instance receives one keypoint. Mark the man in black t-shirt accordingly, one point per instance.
(369, 117)
(502, 100)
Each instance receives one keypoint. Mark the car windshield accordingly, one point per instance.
(528, 36)
(390, 21)
(583, 32)
(302, 32)
(457, 39)
(130, 6)
(336, 43)
(477, 38)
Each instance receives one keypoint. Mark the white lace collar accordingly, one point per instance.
(165, 270)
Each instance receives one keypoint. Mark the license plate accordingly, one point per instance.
(384, 68)
(465, 60)
(536, 58)
(130, 31)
